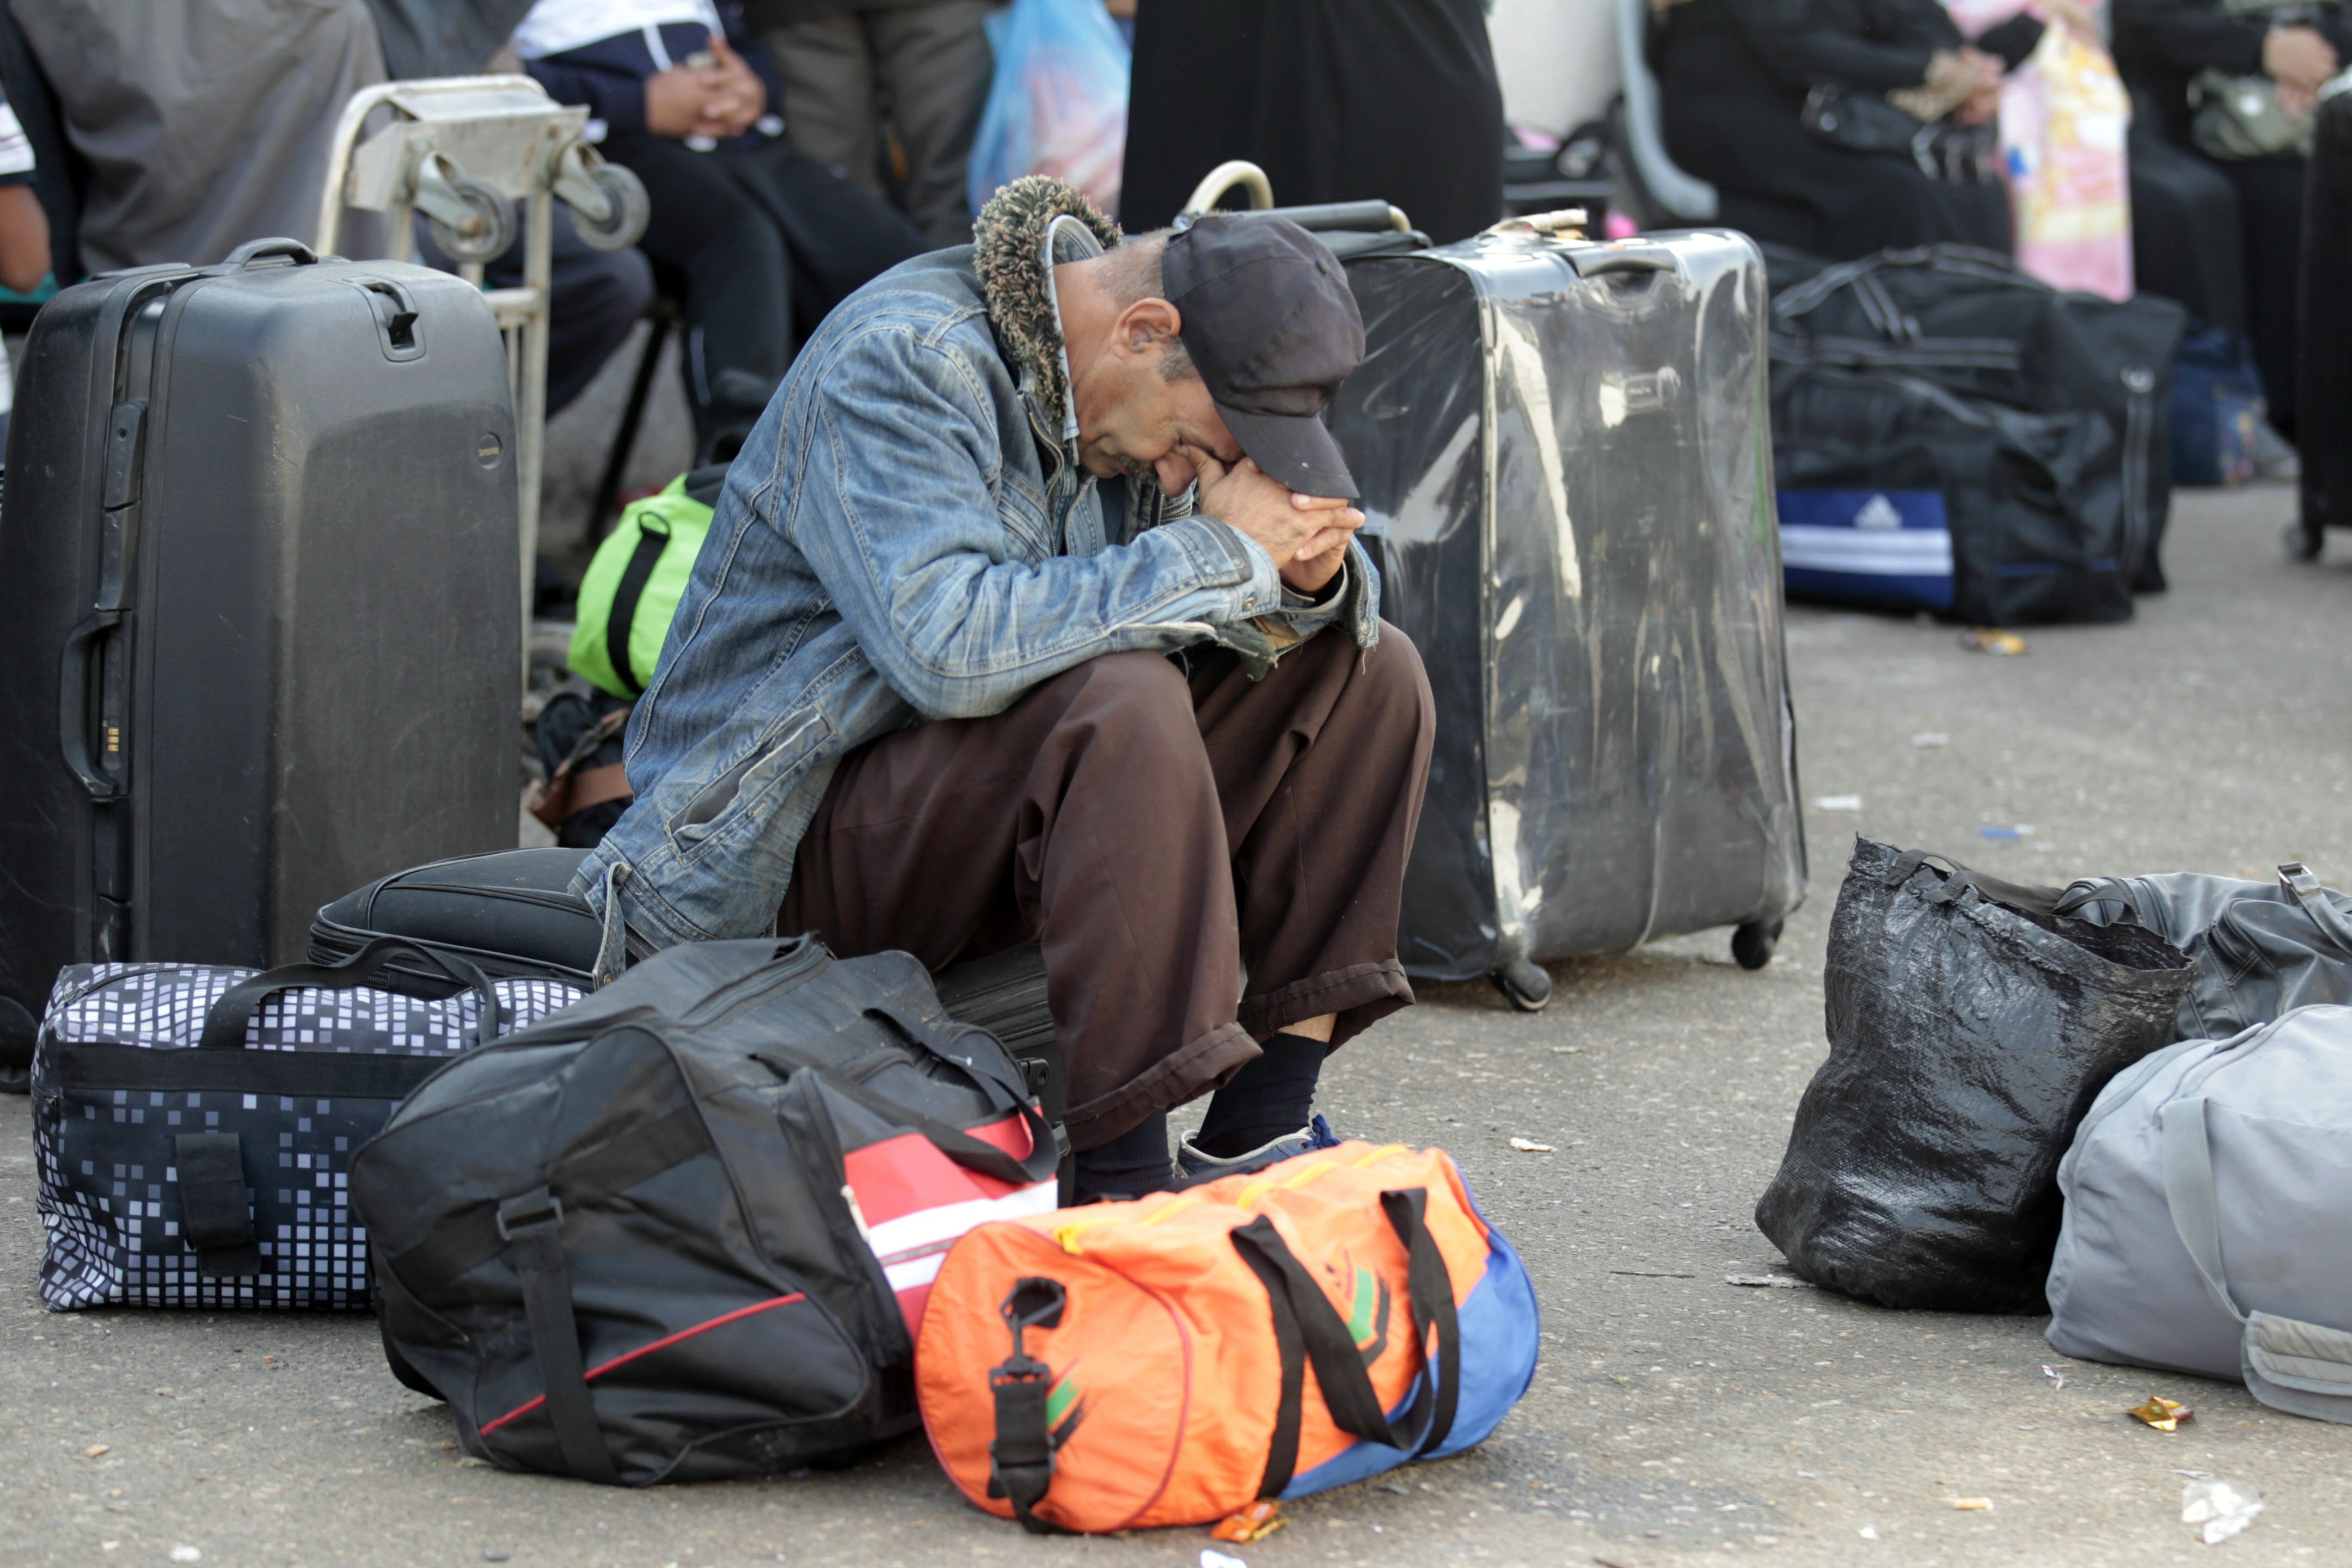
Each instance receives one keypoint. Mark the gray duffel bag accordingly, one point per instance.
(2206, 1225)
(2260, 949)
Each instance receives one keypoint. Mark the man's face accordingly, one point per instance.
(1134, 421)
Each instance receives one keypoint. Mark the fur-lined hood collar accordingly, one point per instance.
(1012, 248)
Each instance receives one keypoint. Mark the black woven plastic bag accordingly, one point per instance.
(1969, 1030)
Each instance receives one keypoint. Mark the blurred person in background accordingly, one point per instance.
(24, 235)
(201, 126)
(1337, 101)
(763, 240)
(1737, 78)
(922, 65)
(2287, 52)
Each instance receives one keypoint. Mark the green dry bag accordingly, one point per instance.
(633, 584)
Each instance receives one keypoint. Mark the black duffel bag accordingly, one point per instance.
(1969, 1030)
(2033, 504)
(678, 1235)
(1977, 325)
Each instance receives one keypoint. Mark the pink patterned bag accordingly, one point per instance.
(2063, 118)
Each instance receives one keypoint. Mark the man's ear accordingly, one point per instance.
(1145, 323)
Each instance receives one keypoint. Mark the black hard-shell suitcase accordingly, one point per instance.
(2323, 397)
(1566, 474)
(258, 608)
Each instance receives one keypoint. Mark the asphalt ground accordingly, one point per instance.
(1675, 1419)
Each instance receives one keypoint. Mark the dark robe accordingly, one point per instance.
(1733, 77)
(1335, 100)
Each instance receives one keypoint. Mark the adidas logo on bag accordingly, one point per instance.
(1878, 512)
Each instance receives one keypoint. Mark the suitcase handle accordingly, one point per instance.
(242, 258)
(1604, 259)
(371, 965)
(73, 704)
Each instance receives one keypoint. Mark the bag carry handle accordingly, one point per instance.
(2279, 1358)
(971, 1152)
(1961, 880)
(1021, 1455)
(371, 965)
(1601, 260)
(242, 258)
(1309, 1330)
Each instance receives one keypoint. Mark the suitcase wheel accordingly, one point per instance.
(2304, 541)
(1752, 944)
(1526, 984)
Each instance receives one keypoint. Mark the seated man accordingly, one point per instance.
(920, 693)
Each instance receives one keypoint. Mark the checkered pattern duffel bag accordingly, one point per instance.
(194, 1124)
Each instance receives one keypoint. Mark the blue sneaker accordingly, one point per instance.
(1198, 1167)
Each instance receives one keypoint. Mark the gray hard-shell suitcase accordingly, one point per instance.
(258, 608)
(1567, 464)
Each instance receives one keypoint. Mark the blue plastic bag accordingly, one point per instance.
(1058, 105)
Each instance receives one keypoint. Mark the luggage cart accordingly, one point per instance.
(462, 150)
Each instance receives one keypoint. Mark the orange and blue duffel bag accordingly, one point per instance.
(1172, 1360)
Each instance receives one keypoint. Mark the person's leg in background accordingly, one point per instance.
(838, 234)
(828, 74)
(934, 64)
(739, 285)
(2187, 243)
(2270, 206)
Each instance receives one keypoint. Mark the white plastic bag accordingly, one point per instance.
(1058, 105)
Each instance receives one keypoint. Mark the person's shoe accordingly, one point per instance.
(1197, 1166)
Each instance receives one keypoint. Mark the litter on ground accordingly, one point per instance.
(2218, 1509)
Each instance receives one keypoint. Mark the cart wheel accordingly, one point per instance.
(490, 222)
(1527, 984)
(1752, 944)
(2303, 542)
(632, 210)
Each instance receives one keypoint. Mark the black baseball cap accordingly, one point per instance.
(1269, 322)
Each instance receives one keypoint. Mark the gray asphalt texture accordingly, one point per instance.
(1675, 1419)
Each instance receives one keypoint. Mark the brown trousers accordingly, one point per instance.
(1167, 835)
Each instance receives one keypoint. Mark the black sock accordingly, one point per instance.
(1269, 1099)
(1129, 1165)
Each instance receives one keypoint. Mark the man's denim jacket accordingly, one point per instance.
(900, 540)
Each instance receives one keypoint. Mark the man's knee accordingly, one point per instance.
(1391, 681)
(1132, 698)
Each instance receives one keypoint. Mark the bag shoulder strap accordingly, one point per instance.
(2287, 1362)
(2188, 1193)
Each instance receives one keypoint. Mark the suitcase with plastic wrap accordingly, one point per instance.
(259, 608)
(1567, 472)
